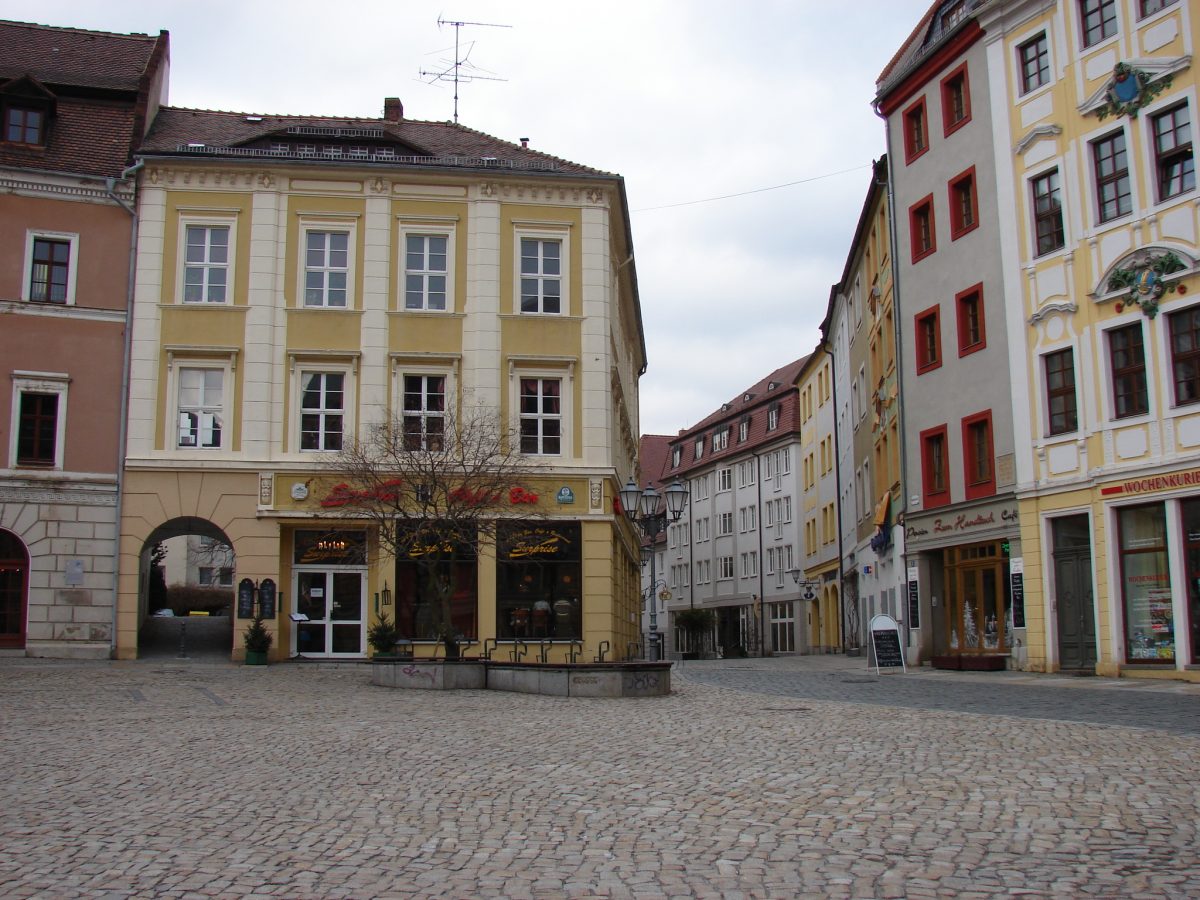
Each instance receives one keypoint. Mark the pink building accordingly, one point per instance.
(73, 105)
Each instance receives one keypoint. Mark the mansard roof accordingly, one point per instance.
(751, 405)
(202, 133)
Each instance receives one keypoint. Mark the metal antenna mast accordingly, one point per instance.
(453, 71)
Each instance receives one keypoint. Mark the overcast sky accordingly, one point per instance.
(687, 99)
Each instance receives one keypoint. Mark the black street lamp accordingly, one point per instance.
(642, 507)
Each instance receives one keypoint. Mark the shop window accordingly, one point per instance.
(1034, 57)
(1190, 514)
(977, 589)
(783, 627)
(956, 100)
(1185, 355)
(916, 131)
(539, 581)
(921, 229)
(1127, 360)
(935, 467)
(964, 204)
(1061, 402)
(436, 583)
(1173, 161)
(978, 456)
(929, 340)
(1146, 584)
(971, 334)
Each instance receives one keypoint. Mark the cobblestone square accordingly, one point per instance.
(158, 779)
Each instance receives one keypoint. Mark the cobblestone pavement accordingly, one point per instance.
(155, 779)
(1143, 703)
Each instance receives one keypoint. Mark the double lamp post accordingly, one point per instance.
(643, 507)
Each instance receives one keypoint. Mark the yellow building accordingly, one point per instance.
(819, 503)
(1099, 205)
(300, 280)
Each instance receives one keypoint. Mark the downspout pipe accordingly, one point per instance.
(762, 634)
(123, 421)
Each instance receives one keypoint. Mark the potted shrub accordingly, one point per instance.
(258, 642)
(382, 637)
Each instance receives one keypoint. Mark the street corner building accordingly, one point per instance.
(302, 280)
(73, 107)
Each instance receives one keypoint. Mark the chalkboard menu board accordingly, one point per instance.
(245, 599)
(266, 598)
(914, 599)
(887, 649)
(885, 644)
(1016, 591)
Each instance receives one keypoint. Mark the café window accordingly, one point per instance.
(312, 547)
(437, 591)
(538, 581)
(1146, 584)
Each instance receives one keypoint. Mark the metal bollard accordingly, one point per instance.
(183, 640)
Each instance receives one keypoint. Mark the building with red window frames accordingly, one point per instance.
(957, 501)
(73, 105)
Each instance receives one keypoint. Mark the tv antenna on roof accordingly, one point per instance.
(453, 71)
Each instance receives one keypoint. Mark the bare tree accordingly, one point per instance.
(434, 488)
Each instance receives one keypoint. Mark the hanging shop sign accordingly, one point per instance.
(565, 496)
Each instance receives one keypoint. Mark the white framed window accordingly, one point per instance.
(750, 564)
(205, 259)
(724, 568)
(51, 261)
(542, 269)
(720, 439)
(724, 480)
(200, 408)
(427, 265)
(323, 403)
(423, 410)
(676, 456)
(38, 430)
(743, 430)
(699, 448)
(541, 416)
(327, 264)
(541, 393)
(724, 523)
(700, 488)
(773, 417)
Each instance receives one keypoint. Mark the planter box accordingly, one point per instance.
(984, 663)
(256, 657)
(631, 679)
(947, 662)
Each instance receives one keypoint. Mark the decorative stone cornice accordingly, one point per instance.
(1034, 135)
(171, 176)
(547, 192)
(61, 190)
(1051, 309)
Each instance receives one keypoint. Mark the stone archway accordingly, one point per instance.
(185, 590)
(14, 591)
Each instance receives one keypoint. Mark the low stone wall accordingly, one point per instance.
(628, 679)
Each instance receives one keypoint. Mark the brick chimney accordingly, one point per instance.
(393, 109)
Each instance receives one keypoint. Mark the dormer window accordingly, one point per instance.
(24, 125)
(28, 108)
